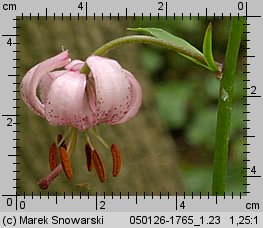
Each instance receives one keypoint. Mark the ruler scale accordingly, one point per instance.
(127, 207)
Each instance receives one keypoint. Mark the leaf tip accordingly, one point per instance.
(207, 48)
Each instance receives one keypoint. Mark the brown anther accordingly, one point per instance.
(65, 162)
(59, 138)
(98, 166)
(116, 159)
(53, 156)
(89, 151)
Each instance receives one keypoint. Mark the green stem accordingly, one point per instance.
(225, 107)
(147, 40)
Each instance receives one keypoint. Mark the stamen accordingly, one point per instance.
(98, 166)
(61, 141)
(64, 157)
(72, 142)
(116, 159)
(59, 137)
(89, 151)
(53, 156)
(97, 135)
(65, 162)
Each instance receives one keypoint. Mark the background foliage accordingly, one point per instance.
(187, 96)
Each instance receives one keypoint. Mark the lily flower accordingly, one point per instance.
(109, 94)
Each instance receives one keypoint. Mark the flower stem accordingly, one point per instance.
(225, 107)
(147, 40)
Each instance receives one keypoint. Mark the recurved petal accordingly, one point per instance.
(26, 91)
(136, 98)
(66, 102)
(32, 78)
(46, 81)
(75, 65)
(112, 88)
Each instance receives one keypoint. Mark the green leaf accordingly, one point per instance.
(207, 49)
(166, 36)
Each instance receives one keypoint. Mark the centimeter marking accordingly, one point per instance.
(246, 104)
(110, 16)
(250, 93)
(13, 117)
(163, 6)
(20, 199)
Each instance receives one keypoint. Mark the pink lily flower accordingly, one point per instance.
(109, 94)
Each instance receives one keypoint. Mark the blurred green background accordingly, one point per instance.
(168, 146)
(187, 96)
